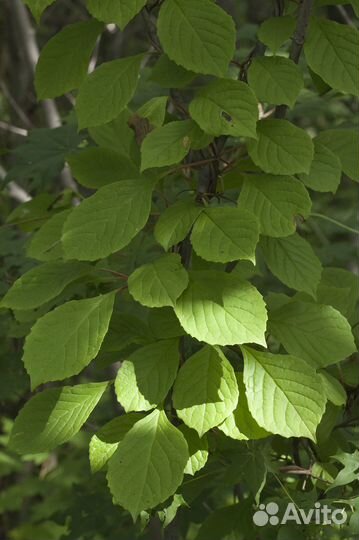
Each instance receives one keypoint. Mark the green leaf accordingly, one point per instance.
(38, 6)
(117, 136)
(43, 283)
(166, 145)
(275, 31)
(281, 148)
(334, 391)
(226, 107)
(53, 417)
(154, 110)
(151, 459)
(65, 340)
(325, 171)
(170, 75)
(206, 390)
(198, 450)
(285, 394)
(331, 50)
(275, 201)
(105, 443)
(344, 143)
(240, 424)
(42, 156)
(339, 288)
(115, 11)
(224, 234)
(159, 283)
(146, 376)
(275, 79)
(107, 221)
(199, 35)
(293, 261)
(176, 221)
(97, 167)
(220, 309)
(64, 60)
(318, 334)
(45, 244)
(107, 91)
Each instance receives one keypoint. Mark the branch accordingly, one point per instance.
(297, 42)
(15, 191)
(31, 52)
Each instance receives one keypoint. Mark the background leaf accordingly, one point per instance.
(54, 416)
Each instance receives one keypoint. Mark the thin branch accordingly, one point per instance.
(297, 42)
(16, 107)
(335, 222)
(31, 52)
(15, 191)
(13, 129)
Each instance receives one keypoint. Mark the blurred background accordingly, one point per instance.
(53, 496)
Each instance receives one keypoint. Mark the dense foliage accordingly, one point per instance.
(178, 304)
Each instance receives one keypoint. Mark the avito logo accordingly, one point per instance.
(268, 514)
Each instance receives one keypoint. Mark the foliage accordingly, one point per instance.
(184, 310)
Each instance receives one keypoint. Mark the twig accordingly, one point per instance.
(31, 51)
(335, 222)
(20, 113)
(13, 129)
(344, 14)
(297, 42)
(15, 191)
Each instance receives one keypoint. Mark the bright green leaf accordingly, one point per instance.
(275, 31)
(318, 334)
(147, 375)
(154, 110)
(220, 309)
(275, 80)
(325, 171)
(198, 450)
(166, 145)
(224, 234)
(151, 460)
(275, 201)
(293, 261)
(206, 390)
(45, 245)
(226, 107)
(53, 417)
(281, 148)
(285, 394)
(107, 221)
(105, 443)
(331, 50)
(175, 222)
(339, 288)
(64, 60)
(343, 143)
(107, 91)
(119, 12)
(42, 283)
(240, 424)
(199, 35)
(159, 283)
(333, 389)
(65, 340)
